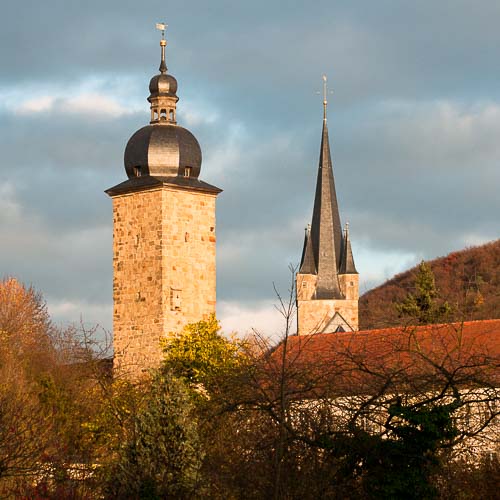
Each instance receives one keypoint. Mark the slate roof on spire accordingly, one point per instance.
(347, 262)
(326, 230)
(307, 264)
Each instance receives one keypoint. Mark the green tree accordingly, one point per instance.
(424, 306)
(402, 465)
(163, 457)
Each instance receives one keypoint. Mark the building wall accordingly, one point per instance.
(306, 286)
(164, 269)
(349, 286)
(314, 315)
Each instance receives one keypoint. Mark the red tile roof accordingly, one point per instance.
(357, 361)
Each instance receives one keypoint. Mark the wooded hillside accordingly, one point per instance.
(469, 280)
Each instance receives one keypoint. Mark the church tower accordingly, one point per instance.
(327, 282)
(163, 233)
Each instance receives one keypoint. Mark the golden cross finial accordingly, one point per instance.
(163, 43)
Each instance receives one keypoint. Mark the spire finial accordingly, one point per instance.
(325, 94)
(163, 43)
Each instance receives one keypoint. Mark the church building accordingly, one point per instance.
(327, 282)
(163, 234)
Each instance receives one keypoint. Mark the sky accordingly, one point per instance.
(414, 121)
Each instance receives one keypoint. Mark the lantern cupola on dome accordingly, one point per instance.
(163, 148)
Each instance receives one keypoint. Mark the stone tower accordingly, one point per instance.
(163, 234)
(327, 281)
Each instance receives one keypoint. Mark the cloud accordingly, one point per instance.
(9, 206)
(91, 104)
(70, 265)
(376, 266)
(65, 313)
(414, 121)
(261, 318)
(420, 175)
(37, 105)
(197, 113)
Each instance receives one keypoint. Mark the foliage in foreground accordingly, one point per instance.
(162, 458)
(223, 418)
(201, 355)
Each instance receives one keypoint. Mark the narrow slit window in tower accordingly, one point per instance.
(187, 172)
(137, 171)
(175, 299)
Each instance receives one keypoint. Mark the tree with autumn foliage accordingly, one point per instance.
(50, 398)
(469, 280)
(24, 354)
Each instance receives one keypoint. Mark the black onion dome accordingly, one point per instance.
(163, 151)
(163, 85)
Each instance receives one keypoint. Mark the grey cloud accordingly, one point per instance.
(408, 179)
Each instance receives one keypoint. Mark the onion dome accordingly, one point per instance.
(163, 151)
(163, 148)
(164, 85)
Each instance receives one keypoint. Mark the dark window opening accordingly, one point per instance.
(187, 172)
(163, 114)
(137, 171)
(171, 115)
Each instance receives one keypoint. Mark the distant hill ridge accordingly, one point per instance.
(468, 279)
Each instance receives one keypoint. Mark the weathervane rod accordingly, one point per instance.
(163, 43)
(325, 94)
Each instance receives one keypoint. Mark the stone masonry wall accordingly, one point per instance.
(313, 315)
(305, 286)
(164, 270)
(349, 286)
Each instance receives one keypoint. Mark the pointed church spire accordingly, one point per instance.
(327, 283)
(326, 230)
(347, 263)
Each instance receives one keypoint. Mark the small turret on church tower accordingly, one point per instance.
(163, 234)
(327, 282)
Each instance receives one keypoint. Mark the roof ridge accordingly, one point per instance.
(394, 329)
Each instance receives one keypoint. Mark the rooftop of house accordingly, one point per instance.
(363, 361)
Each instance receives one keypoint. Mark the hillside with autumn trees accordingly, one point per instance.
(468, 280)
